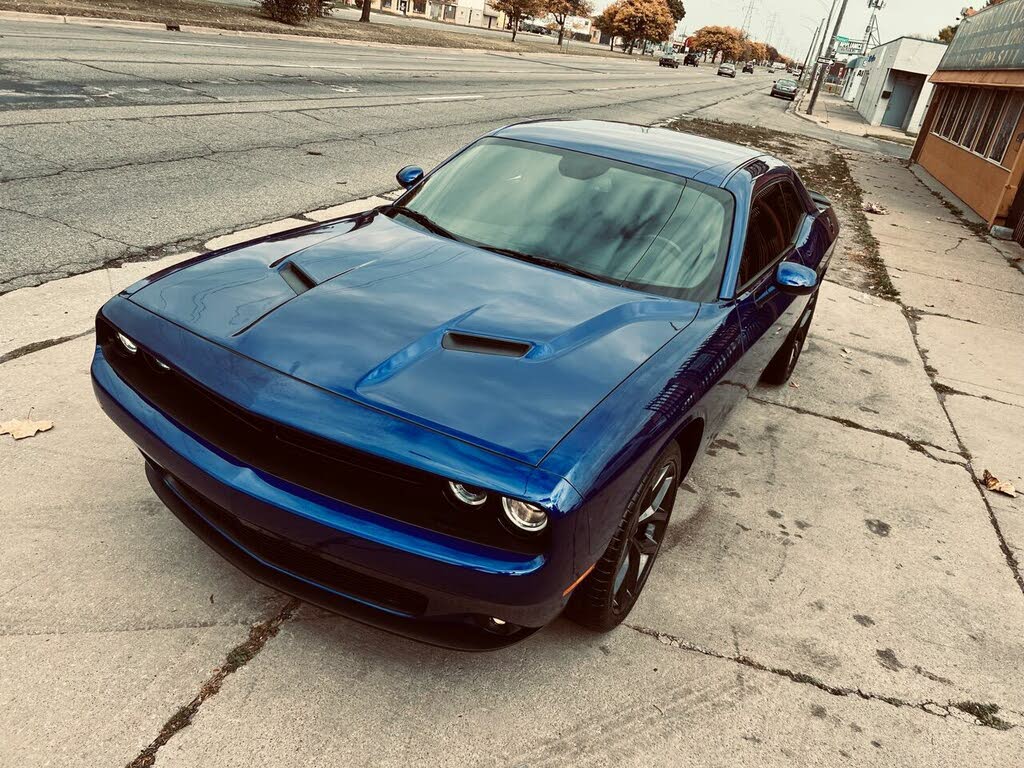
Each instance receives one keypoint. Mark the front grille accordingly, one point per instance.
(306, 460)
(305, 562)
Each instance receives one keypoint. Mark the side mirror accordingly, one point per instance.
(795, 279)
(409, 176)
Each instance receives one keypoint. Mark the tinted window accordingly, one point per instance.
(622, 223)
(794, 209)
(769, 231)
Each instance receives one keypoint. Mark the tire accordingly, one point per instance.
(609, 593)
(784, 363)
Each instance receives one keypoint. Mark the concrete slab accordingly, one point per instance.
(244, 235)
(66, 307)
(995, 308)
(993, 433)
(622, 699)
(860, 364)
(98, 698)
(87, 547)
(844, 555)
(345, 209)
(976, 359)
(966, 262)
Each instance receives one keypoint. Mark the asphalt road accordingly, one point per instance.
(119, 143)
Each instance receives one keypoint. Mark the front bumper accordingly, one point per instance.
(374, 569)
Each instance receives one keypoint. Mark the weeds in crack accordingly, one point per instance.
(237, 657)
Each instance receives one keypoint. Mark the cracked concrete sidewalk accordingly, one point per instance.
(835, 585)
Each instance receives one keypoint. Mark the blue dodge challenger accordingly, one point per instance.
(455, 416)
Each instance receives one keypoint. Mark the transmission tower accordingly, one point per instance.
(747, 16)
(871, 35)
(771, 27)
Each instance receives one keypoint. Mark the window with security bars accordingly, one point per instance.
(979, 120)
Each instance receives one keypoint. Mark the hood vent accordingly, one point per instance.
(484, 345)
(296, 277)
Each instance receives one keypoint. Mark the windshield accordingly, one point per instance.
(616, 222)
(787, 83)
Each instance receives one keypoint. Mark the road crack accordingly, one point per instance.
(982, 714)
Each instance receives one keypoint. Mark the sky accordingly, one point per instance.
(795, 20)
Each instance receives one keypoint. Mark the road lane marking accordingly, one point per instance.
(450, 98)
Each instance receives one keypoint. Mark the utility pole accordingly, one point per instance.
(821, 47)
(828, 58)
(810, 51)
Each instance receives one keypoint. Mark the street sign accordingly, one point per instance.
(846, 47)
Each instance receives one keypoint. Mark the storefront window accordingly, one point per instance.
(419, 6)
(449, 12)
(995, 113)
(1011, 116)
(981, 120)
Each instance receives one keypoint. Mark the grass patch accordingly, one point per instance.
(209, 14)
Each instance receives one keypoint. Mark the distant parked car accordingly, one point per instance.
(748, 68)
(727, 70)
(691, 60)
(668, 60)
(785, 89)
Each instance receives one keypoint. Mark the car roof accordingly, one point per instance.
(682, 154)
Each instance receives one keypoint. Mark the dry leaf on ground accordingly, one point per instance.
(875, 208)
(21, 428)
(993, 483)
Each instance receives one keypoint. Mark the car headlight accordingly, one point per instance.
(523, 515)
(130, 346)
(467, 494)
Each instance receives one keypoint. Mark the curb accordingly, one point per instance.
(99, 21)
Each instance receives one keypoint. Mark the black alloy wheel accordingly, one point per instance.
(609, 593)
(784, 363)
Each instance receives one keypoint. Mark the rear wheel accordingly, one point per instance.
(784, 363)
(607, 596)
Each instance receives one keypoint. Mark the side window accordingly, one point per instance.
(794, 206)
(768, 233)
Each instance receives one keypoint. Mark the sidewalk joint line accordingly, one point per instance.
(920, 446)
(259, 635)
(38, 346)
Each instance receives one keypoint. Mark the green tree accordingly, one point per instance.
(946, 33)
(517, 10)
(561, 10)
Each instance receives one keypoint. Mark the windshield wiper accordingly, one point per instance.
(545, 262)
(424, 221)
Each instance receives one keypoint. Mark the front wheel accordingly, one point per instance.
(609, 593)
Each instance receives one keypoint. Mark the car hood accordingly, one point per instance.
(494, 351)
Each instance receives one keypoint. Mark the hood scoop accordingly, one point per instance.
(484, 345)
(296, 277)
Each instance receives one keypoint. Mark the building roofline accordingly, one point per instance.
(911, 37)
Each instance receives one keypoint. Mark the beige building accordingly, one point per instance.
(470, 13)
(972, 135)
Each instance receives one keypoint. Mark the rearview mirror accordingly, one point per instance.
(409, 176)
(795, 279)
